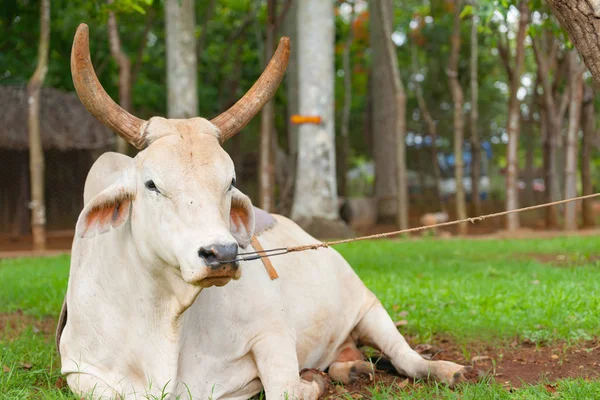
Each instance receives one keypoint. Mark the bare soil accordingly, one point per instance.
(512, 364)
(13, 324)
(57, 242)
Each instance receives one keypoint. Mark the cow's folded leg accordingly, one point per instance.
(349, 364)
(277, 364)
(377, 329)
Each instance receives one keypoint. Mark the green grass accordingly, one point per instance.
(34, 285)
(489, 290)
(484, 289)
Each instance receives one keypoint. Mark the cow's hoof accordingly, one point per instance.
(452, 374)
(314, 375)
(350, 371)
(464, 374)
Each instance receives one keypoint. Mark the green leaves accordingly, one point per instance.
(467, 11)
(129, 6)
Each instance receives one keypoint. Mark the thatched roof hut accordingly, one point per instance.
(72, 139)
(65, 124)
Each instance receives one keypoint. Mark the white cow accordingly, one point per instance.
(146, 313)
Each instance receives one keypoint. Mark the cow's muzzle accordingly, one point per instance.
(215, 255)
(219, 259)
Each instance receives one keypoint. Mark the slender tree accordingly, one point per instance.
(345, 126)
(459, 119)
(575, 99)
(553, 109)
(385, 11)
(530, 144)
(429, 123)
(36, 152)
(286, 195)
(475, 143)
(124, 64)
(268, 137)
(384, 112)
(514, 114)
(182, 64)
(266, 179)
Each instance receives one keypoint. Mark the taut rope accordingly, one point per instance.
(292, 249)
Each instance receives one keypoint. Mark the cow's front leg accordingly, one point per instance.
(277, 363)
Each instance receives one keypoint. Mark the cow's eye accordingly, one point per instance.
(232, 184)
(150, 185)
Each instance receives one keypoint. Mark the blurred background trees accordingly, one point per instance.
(425, 103)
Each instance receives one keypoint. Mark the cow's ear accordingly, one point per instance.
(242, 218)
(109, 208)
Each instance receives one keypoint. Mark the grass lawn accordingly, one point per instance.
(468, 290)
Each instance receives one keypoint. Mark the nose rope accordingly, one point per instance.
(255, 255)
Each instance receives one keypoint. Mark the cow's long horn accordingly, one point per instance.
(237, 116)
(94, 97)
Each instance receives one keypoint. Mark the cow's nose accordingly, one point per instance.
(218, 253)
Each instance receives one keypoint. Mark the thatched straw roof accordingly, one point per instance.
(64, 123)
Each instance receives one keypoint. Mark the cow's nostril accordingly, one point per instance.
(226, 252)
(209, 256)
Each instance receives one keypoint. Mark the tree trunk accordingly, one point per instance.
(384, 114)
(552, 116)
(36, 151)
(316, 203)
(514, 119)
(475, 144)
(550, 173)
(124, 64)
(588, 124)
(345, 128)
(530, 143)
(459, 120)
(266, 179)
(286, 194)
(385, 13)
(431, 128)
(182, 65)
(529, 164)
(571, 151)
(580, 20)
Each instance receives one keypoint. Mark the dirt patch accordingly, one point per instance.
(564, 260)
(56, 240)
(525, 362)
(511, 366)
(13, 324)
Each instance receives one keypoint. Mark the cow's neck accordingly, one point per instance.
(148, 298)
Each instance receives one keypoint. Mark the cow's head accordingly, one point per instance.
(179, 191)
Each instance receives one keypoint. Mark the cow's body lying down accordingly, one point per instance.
(144, 313)
(129, 333)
